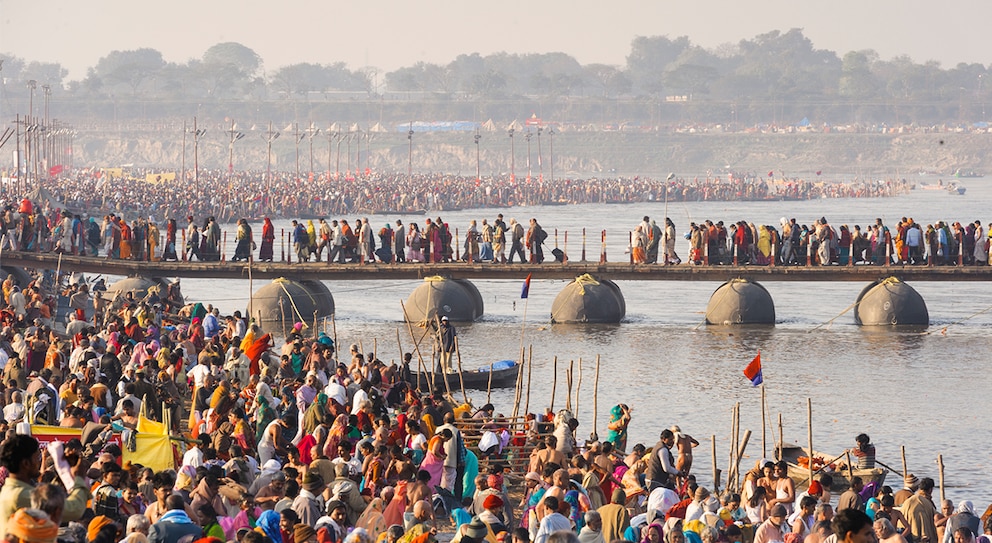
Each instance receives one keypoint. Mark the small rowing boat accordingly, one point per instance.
(798, 459)
(504, 375)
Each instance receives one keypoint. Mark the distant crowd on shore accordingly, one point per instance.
(254, 194)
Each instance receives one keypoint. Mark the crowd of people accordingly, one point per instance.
(298, 443)
(231, 195)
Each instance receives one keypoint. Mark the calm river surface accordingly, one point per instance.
(926, 392)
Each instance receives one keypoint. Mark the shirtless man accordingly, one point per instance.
(400, 467)
(886, 533)
(548, 455)
(683, 444)
(895, 515)
(418, 490)
(785, 488)
(559, 482)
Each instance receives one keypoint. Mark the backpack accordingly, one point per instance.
(541, 235)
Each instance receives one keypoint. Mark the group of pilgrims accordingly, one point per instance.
(297, 443)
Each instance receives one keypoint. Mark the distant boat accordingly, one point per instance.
(939, 185)
(954, 189)
(967, 174)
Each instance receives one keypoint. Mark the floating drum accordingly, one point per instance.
(137, 285)
(890, 302)
(284, 302)
(586, 300)
(740, 301)
(457, 299)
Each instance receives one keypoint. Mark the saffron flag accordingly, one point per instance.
(526, 288)
(753, 371)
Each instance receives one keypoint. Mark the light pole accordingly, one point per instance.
(197, 132)
(512, 163)
(337, 162)
(478, 165)
(235, 136)
(527, 137)
(551, 132)
(540, 161)
(311, 133)
(45, 148)
(349, 138)
(269, 137)
(409, 167)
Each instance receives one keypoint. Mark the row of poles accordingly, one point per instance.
(43, 145)
(738, 447)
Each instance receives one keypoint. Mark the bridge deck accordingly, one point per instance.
(460, 270)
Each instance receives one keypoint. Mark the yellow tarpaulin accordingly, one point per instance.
(153, 447)
(113, 173)
(163, 177)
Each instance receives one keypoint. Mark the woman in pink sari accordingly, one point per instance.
(434, 460)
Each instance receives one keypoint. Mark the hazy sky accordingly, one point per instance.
(390, 33)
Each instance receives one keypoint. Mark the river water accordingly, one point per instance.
(924, 391)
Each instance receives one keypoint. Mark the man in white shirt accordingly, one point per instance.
(552, 522)
(199, 373)
(194, 456)
(14, 411)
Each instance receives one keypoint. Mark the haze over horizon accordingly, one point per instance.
(390, 34)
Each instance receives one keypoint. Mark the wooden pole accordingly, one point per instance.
(568, 385)
(740, 454)
(516, 382)
(764, 442)
(440, 355)
(334, 330)
(940, 473)
(461, 377)
(733, 444)
(716, 471)
(416, 346)
(530, 368)
(251, 307)
(850, 467)
(578, 388)
(809, 425)
(375, 345)
(905, 472)
(554, 384)
(781, 439)
(314, 324)
(489, 387)
(595, 399)
(399, 344)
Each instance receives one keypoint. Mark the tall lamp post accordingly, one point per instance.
(527, 137)
(197, 133)
(540, 161)
(478, 164)
(409, 167)
(513, 177)
(269, 136)
(551, 132)
(46, 146)
(312, 132)
(235, 136)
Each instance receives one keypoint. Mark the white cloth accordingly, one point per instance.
(551, 524)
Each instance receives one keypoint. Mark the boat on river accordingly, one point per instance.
(798, 459)
(504, 375)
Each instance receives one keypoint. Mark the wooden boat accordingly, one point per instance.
(799, 470)
(477, 379)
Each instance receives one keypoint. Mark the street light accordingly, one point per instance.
(527, 137)
(269, 136)
(235, 136)
(478, 167)
(551, 132)
(311, 133)
(540, 161)
(512, 163)
(197, 133)
(409, 167)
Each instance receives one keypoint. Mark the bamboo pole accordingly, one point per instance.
(764, 442)
(905, 472)
(716, 471)
(315, 324)
(940, 473)
(554, 384)
(733, 444)
(850, 467)
(489, 387)
(251, 306)
(516, 382)
(568, 385)
(375, 345)
(809, 425)
(461, 377)
(530, 368)
(740, 454)
(399, 344)
(781, 438)
(578, 388)
(595, 399)
(440, 355)
(416, 346)
(334, 330)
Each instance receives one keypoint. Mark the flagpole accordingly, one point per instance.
(764, 446)
(523, 325)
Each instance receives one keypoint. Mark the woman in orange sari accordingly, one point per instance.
(434, 460)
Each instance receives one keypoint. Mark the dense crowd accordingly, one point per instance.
(230, 195)
(298, 443)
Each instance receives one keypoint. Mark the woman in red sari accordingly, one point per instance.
(268, 240)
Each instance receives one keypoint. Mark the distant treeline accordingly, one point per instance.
(774, 78)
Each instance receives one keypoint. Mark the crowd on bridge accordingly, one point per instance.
(229, 195)
(294, 441)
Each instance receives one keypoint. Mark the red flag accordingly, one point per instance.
(753, 370)
(771, 173)
(818, 172)
(525, 291)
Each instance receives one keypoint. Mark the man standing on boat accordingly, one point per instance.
(446, 337)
